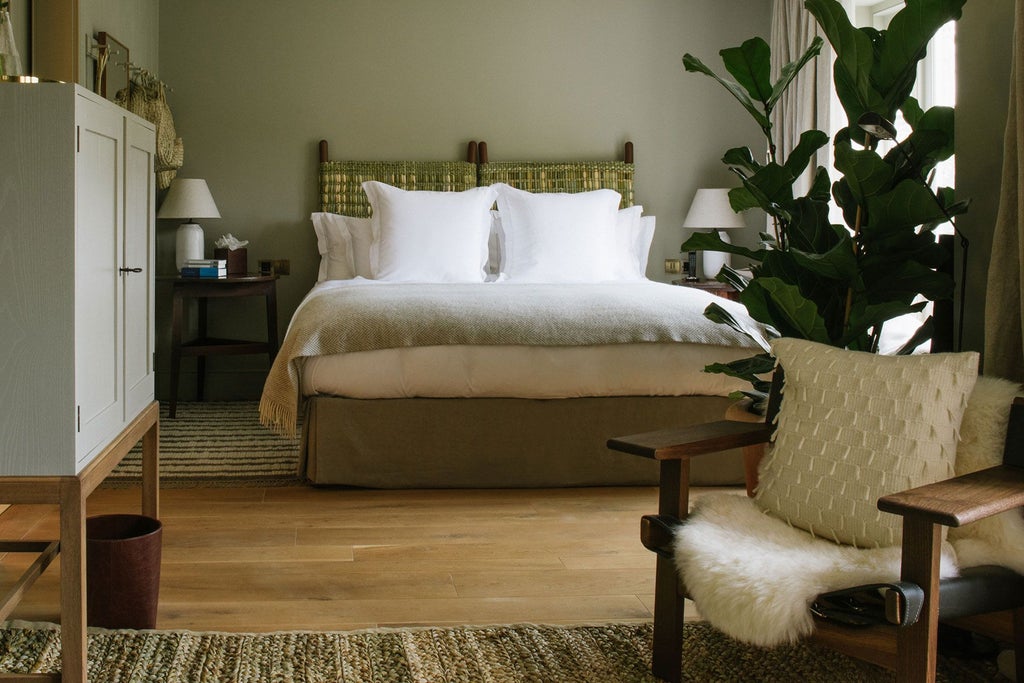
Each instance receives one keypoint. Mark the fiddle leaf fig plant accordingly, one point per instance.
(814, 279)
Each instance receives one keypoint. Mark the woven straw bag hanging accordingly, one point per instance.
(149, 102)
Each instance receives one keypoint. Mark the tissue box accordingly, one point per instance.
(238, 260)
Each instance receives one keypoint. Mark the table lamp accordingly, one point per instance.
(710, 210)
(188, 198)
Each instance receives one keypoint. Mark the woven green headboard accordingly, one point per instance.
(341, 181)
(577, 176)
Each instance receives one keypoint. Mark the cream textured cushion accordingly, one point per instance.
(998, 539)
(856, 426)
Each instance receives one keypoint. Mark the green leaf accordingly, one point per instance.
(810, 142)
(819, 190)
(741, 158)
(933, 138)
(710, 241)
(838, 263)
(745, 368)
(775, 302)
(717, 314)
(925, 332)
(729, 276)
(873, 316)
(810, 228)
(854, 57)
(692, 64)
(905, 207)
(866, 173)
(907, 38)
(750, 65)
(789, 71)
(911, 111)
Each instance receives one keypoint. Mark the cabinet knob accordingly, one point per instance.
(130, 270)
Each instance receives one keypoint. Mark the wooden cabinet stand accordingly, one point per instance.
(70, 493)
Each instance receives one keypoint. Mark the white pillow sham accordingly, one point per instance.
(642, 243)
(344, 243)
(563, 237)
(424, 236)
(334, 243)
(638, 231)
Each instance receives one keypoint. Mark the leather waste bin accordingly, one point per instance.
(122, 570)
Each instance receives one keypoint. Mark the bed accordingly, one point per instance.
(446, 345)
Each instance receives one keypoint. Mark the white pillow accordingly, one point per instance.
(855, 426)
(334, 243)
(423, 236)
(559, 237)
(628, 228)
(635, 231)
(642, 245)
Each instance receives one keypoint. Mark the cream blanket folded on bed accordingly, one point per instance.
(365, 315)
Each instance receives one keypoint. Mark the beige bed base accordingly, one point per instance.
(497, 442)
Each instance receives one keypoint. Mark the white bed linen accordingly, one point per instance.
(461, 371)
(523, 371)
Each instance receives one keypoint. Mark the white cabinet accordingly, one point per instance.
(77, 256)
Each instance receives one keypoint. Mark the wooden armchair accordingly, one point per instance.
(909, 644)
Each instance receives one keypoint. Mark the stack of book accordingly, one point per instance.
(199, 267)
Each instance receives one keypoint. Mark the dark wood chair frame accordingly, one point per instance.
(909, 649)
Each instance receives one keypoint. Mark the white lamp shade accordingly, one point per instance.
(188, 198)
(711, 210)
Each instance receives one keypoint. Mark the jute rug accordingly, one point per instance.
(613, 653)
(216, 444)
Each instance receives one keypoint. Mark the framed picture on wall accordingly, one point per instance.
(113, 68)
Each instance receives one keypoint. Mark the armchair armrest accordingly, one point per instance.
(961, 500)
(684, 442)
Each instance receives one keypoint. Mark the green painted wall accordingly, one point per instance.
(256, 85)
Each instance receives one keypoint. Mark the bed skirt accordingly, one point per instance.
(498, 442)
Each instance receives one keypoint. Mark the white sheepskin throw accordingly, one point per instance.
(754, 577)
(998, 539)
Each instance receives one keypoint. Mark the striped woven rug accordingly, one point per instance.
(217, 444)
(609, 653)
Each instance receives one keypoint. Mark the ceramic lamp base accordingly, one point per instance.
(713, 261)
(188, 244)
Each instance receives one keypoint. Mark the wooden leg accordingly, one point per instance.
(151, 471)
(201, 360)
(1018, 642)
(917, 645)
(751, 459)
(177, 320)
(673, 500)
(72, 581)
(272, 320)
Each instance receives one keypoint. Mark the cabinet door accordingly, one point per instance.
(139, 252)
(98, 236)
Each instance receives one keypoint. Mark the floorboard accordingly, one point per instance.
(307, 558)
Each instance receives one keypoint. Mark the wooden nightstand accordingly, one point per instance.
(202, 289)
(714, 286)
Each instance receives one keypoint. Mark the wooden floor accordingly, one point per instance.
(328, 559)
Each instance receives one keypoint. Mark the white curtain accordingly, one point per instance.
(1004, 306)
(806, 104)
